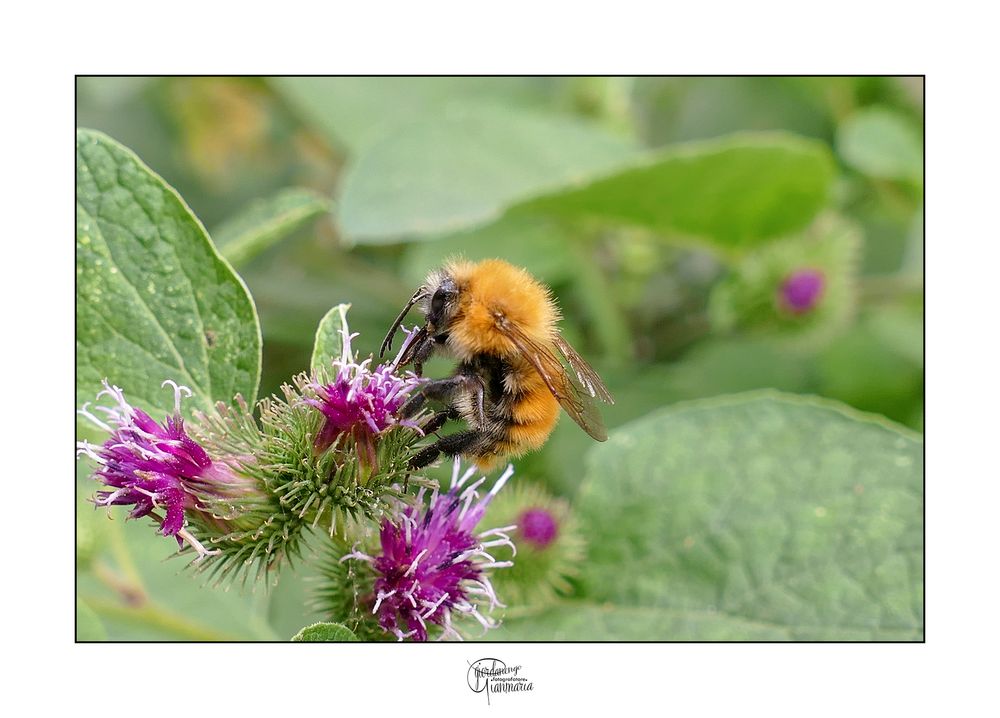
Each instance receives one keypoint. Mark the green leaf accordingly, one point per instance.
(693, 108)
(901, 328)
(882, 143)
(444, 174)
(712, 367)
(267, 221)
(354, 110)
(876, 366)
(325, 632)
(732, 193)
(763, 512)
(329, 342)
(88, 624)
(154, 299)
(586, 621)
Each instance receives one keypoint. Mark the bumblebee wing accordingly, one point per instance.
(589, 380)
(571, 395)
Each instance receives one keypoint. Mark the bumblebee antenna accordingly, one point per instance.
(387, 342)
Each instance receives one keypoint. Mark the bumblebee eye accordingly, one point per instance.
(437, 302)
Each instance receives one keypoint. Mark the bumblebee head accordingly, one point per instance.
(440, 303)
(438, 299)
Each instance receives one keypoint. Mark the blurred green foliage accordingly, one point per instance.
(631, 197)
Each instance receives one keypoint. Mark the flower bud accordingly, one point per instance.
(801, 290)
(549, 545)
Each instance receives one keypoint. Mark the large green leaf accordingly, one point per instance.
(266, 221)
(587, 621)
(757, 516)
(733, 193)
(443, 174)
(154, 299)
(354, 110)
(882, 143)
(319, 632)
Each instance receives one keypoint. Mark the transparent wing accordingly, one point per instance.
(575, 397)
(589, 379)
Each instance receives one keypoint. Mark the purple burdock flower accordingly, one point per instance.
(433, 564)
(359, 401)
(538, 527)
(801, 290)
(156, 467)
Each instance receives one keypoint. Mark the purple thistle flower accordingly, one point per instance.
(156, 466)
(801, 290)
(538, 527)
(432, 564)
(359, 401)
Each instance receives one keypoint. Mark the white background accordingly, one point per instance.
(44, 46)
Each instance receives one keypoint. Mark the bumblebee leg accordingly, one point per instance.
(443, 390)
(451, 445)
(413, 405)
(424, 457)
(439, 420)
(421, 355)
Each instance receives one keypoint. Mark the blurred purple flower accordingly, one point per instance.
(432, 564)
(538, 527)
(801, 290)
(156, 467)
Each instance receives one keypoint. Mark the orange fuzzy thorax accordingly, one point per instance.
(494, 288)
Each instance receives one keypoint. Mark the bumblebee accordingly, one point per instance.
(500, 323)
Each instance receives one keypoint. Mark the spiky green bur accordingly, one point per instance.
(302, 485)
(802, 288)
(345, 592)
(550, 547)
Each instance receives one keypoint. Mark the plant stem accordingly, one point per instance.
(608, 323)
(150, 614)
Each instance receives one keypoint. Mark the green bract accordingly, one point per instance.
(328, 343)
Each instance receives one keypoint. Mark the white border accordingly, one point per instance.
(953, 45)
